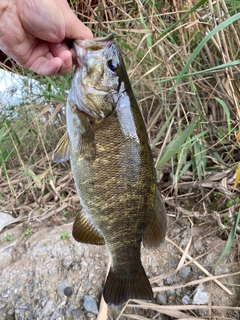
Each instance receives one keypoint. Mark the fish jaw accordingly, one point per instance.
(96, 84)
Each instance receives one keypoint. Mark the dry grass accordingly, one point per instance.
(158, 40)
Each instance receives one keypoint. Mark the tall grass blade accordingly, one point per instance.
(175, 145)
(230, 239)
(163, 128)
(221, 26)
(227, 112)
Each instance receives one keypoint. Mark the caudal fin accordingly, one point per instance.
(119, 288)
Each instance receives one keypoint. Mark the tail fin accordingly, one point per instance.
(119, 288)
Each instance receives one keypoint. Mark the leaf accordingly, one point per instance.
(229, 240)
(221, 26)
(6, 219)
(164, 127)
(175, 145)
(227, 112)
(210, 70)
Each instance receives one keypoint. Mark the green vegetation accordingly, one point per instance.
(28, 232)
(8, 237)
(65, 235)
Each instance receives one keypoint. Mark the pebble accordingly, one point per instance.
(90, 304)
(55, 315)
(2, 305)
(48, 308)
(169, 279)
(67, 291)
(62, 287)
(77, 314)
(173, 262)
(221, 270)
(200, 297)
(186, 299)
(184, 272)
(161, 298)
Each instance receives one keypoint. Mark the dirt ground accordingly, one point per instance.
(38, 269)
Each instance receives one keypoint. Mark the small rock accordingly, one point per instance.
(91, 316)
(77, 314)
(202, 312)
(49, 308)
(221, 270)
(176, 279)
(62, 286)
(170, 279)
(186, 299)
(198, 246)
(200, 297)
(2, 305)
(55, 315)
(67, 291)
(173, 262)
(161, 298)
(184, 272)
(171, 291)
(90, 304)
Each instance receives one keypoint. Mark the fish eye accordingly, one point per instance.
(112, 65)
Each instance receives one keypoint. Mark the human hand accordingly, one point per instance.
(32, 32)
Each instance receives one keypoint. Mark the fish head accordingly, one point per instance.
(96, 82)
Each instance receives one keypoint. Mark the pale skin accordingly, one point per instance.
(32, 33)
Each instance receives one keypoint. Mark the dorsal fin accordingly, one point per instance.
(85, 232)
(62, 150)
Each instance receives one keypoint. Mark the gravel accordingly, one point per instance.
(184, 272)
(90, 304)
(51, 279)
(200, 296)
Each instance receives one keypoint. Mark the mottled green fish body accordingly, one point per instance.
(113, 169)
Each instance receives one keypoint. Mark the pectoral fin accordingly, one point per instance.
(84, 231)
(87, 145)
(62, 150)
(156, 230)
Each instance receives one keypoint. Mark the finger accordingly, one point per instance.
(66, 66)
(46, 67)
(77, 30)
(74, 28)
(62, 51)
(57, 48)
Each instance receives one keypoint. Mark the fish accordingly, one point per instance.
(113, 168)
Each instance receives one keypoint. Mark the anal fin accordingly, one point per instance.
(84, 231)
(155, 232)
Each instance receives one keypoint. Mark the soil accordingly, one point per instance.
(46, 274)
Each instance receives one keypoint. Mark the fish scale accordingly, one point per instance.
(113, 169)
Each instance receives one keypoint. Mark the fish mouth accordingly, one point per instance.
(94, 89)
(80, 47)
(94, 44)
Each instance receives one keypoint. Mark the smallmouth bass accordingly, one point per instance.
(113, 168)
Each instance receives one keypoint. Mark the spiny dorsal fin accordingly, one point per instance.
(155, 232)
(62, 150)
(84, 231)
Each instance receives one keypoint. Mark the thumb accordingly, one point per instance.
(74, 28)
